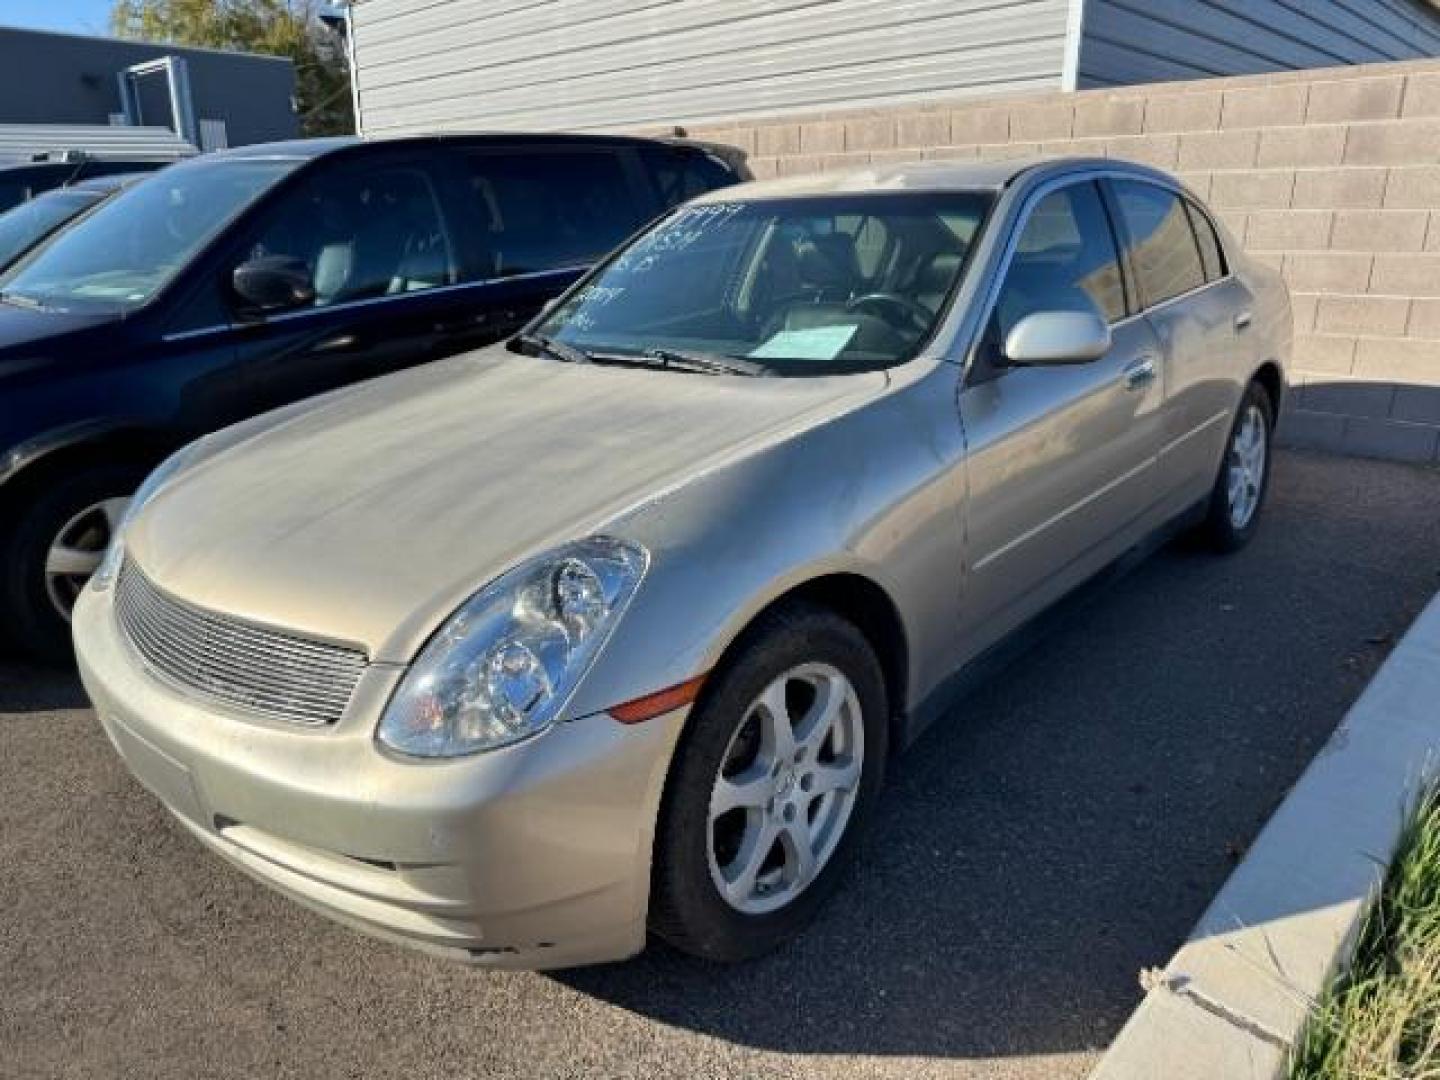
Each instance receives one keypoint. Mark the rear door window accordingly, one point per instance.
(543, 210)
(1163, 250)
(1212, 255)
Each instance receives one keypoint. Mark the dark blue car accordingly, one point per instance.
(236, 282)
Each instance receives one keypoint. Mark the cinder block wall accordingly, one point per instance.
(1332, 176)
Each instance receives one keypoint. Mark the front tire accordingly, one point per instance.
(50, 554)
(1239, 493)
(772, 783)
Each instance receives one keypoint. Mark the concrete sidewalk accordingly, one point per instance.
(1234, 1000)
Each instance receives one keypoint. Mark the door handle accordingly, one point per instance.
(1140, 374)
(1243, 320)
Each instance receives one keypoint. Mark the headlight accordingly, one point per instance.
(104, 575)
(504, 665)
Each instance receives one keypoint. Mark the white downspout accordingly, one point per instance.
(1074, 35)
(350, 52)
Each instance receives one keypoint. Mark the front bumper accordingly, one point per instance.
(535, 855)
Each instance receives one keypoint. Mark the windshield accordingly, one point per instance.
(133, 244)
(803, 286)
(22, 226)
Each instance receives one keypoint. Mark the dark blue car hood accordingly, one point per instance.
(23, 332)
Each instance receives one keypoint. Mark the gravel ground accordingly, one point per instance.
(1062, 830)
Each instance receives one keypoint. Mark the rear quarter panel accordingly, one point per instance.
(1273, 332)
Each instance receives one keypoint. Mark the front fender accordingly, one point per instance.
(874, 493)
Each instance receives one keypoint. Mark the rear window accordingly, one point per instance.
(548, 210)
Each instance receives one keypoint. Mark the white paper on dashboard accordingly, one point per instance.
(815, 343)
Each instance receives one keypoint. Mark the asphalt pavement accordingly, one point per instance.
(1059, 831)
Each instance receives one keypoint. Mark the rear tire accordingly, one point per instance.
(1238, 496)
(73, 518)
(731, 884)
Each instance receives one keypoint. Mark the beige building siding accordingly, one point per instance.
(1332, 176)
(589, 64)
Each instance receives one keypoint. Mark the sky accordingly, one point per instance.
(75, 16)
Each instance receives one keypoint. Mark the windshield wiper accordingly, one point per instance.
(708, 363)
(665, 359)
(555, 349)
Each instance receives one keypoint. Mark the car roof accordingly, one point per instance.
(306, 149)
(936, 176)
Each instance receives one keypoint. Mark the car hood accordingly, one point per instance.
(371, 516)
(21, 327)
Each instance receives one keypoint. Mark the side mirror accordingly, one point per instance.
(1058, 337)
(274, 283)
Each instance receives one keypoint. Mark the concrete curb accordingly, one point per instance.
(1235, 997)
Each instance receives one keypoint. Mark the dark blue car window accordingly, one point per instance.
(362, 233)
(545, 211)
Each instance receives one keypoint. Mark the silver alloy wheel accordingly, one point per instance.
(1246, 463)
(77, 550)
(785, 789)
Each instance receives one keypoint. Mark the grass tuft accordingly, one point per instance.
(1381, 1019)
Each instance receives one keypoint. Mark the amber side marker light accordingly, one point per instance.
(658, 703)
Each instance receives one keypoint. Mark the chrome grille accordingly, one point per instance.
(254, 669)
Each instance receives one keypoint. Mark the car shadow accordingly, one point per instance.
(27, 688)
(1066, 824)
